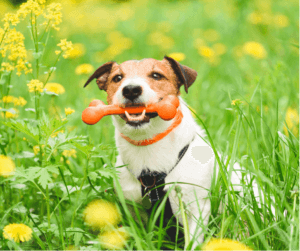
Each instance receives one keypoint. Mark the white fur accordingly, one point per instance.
(196, 166)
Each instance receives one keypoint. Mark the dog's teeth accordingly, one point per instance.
(137, 118)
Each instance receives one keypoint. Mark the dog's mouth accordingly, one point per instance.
(137, 119)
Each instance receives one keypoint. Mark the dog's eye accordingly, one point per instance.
(156, 76)
(117, 78)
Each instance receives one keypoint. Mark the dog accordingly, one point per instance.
(179, 155)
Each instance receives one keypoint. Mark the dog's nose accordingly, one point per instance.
(132, 91)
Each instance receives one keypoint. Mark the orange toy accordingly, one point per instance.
(166, 109)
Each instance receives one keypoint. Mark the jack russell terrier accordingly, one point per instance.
(155, 151)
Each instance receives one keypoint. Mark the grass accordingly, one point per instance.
(49, 190)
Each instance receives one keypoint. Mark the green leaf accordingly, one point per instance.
(77, 238)
(93, 176)
(37, 55)
(44, 177)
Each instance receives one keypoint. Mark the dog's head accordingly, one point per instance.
(140, 83)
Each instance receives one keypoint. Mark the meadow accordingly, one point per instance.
(57, 173)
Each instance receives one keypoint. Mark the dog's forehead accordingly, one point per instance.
(138, 67)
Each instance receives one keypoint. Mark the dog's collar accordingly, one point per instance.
(157, 137)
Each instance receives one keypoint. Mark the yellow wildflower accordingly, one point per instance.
(8, 99)
(53, 15)
(36, 149)
(211, 35)
(160, 39)
(236, 102)
(78, 51)
(35, 85)
(53, 135)
(255, 18)
(219, 48)
(281, 21)
(14, 113)
(55, 88)
(19, 101)
(206, 51)
(10, 18)
(100, 214)
(292, 121)
(17, 232)
(7, 166)
(66, 47)
(84, 69)
(178, 56)
(224, 244)
(115, 239)
(69, 111)
(69, 153)
(255, 50)
(32, 7)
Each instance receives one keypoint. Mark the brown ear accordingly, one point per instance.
(186, 75)
(102, 74)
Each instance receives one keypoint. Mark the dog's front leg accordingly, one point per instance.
(197, 219)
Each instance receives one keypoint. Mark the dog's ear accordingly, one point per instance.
(186, 75)
(102, 74)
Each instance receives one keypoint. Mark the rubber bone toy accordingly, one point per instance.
(166, 109)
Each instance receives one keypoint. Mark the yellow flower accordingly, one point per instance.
(178, 56)
(35, 85)
(84, 69)
(10, 18)
(53, 135)
(19, 101)
(7, 166)
(206, 51)
(281, 21)
(8, 99)
(292, 121)
(54, 87)
(224, 244)
(36, 149)
(13, 114)
(211, 35)
(115, 239)
(69, 111)
(100, 214)
(219, 48)
(53, 15)
(236, 102)
(69, 153)
(66, 47)
(78, 51)
(255, 18)
(255, 50)
(17, 232)
(160, 39)
(31, 7)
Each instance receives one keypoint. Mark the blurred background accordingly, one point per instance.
(242, 50)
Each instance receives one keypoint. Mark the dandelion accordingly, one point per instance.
(292, 121)
(115, 239)
(84, 69)
(206, 51)
(255, 50)
(69, 111)
(66, 47)
(281, 21)
(55, 88)
(211, 35)
(178, 56)
(78, 51)
(35, 85)
(7, 166)
(100, 213)
(224, 244)
(17, 232)
(69, 153)
(219, 48)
